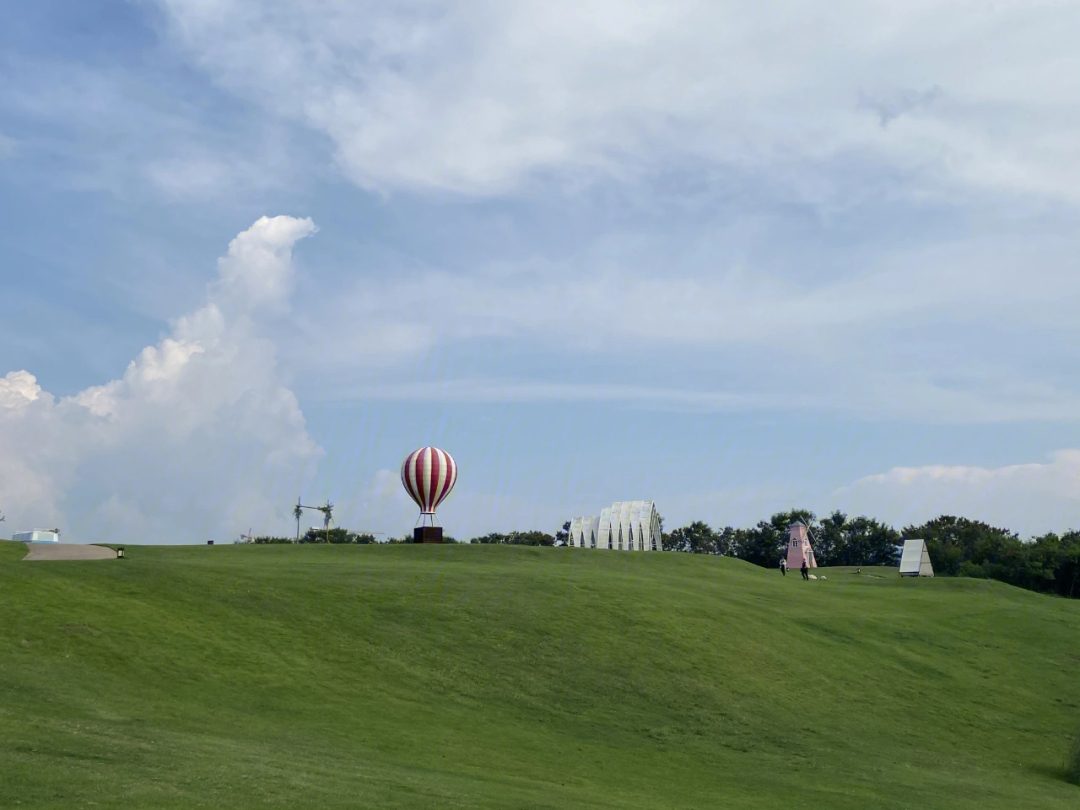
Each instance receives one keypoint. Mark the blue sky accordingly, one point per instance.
(731, 259)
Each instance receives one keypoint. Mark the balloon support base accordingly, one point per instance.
(427, 534)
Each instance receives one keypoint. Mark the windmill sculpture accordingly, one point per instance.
(799, 549)
(328, 515)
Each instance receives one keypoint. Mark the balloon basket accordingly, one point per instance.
(427, 534)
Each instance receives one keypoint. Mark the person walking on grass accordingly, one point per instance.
(805, 570)
(783, 566)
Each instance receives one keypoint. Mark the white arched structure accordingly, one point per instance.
(583, 531)
(623, 526)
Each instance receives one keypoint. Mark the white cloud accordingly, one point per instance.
(506, 391)
(258, 270)
(475, 97)
(833, 106)
(1030, 498)
(18, 389)
(199, 439)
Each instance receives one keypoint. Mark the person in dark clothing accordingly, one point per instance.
(805, 571)
(783, 566)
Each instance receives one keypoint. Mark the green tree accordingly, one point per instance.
(829, 539)
(1067, 573)
(1050, 563)
(866, 541)
(494, 538)
(314, 535)
(697, 538)
(336, 535)
(533, 538)
(727, 541)
(970, 547)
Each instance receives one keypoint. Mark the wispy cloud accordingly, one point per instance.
(925, 335)
(888, 106)
(510, 391)
(138, 133)
(8, 146)
(1030, 498)
(475, 97)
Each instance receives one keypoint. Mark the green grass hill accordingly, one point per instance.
(501, 677)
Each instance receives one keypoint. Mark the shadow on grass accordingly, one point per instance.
(1072, 762)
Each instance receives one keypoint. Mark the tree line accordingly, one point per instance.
(313, 535)
(335, 535)
(958, 546)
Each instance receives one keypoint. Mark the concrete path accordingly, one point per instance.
(67, 551)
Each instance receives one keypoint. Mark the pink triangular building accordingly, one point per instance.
(799, 547)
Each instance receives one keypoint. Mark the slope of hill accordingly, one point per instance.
(496, 677)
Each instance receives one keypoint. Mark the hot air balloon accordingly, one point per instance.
(428, 475)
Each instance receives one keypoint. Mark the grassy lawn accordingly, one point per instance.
(499, 677)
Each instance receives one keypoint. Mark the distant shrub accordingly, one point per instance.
(1072, 762)
(336, 535)
(318, 536)
(533, 538)
(408, 539)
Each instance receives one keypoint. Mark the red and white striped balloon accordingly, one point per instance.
(428, 475)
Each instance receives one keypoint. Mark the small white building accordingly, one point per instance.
(623, 526)
(37, 536)
(915, 559)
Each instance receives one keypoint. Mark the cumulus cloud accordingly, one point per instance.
(257, 270)
(199, 439)
(1030, 498)
(476, 97)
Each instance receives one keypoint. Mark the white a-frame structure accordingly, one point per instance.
(915, 560)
